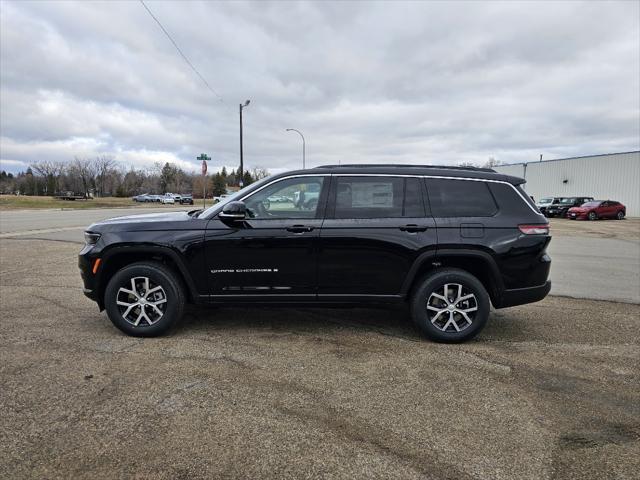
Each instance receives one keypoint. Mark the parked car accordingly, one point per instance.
(186, 200)
(598, 209)
(561, 208)
(142, 198)
(220, 198)
(546, 202)
(448, 242)
(168, 199)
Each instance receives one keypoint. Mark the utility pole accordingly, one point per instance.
(204, 158)
(241, 173)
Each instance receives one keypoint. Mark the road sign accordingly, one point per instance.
(204, 158)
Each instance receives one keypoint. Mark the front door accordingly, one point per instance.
(272, 254)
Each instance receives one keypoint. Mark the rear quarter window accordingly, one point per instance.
(460, 198)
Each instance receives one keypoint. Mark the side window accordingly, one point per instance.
(289, 198)
(378, 197)
(460, 198)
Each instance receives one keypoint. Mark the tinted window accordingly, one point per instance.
(378, 197)
(460, 198)
(289, 198)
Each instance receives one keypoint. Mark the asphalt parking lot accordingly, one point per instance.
(548, 390)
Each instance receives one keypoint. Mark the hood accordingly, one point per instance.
(578, 209)
(149, 217)
(147, 221)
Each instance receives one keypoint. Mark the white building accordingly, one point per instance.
(615, 176)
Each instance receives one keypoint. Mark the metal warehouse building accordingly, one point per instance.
(614, 176)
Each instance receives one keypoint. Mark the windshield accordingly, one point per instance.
(591, 204)
(546, 200)
(567, 201)
(209, 212)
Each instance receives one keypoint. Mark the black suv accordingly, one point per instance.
(561, 208)
(448, 241)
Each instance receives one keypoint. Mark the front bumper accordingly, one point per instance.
(85, 264)
(521, 296)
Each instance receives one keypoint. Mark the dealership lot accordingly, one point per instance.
(548, 390)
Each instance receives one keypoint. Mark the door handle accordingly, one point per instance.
(299, 229)
(412, 228)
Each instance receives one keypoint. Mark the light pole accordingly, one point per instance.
(303, 145)
(241, 173)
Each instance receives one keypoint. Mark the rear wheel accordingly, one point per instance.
(620, 215)
(450, 306)
(144, 299)
(593, 216)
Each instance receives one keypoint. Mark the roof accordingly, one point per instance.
(426, 170)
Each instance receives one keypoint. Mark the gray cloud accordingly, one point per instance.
(430, 82)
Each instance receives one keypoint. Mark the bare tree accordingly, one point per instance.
(492, 162)
(85, 170)
(258, 172)
(102, 165)
(51, 171)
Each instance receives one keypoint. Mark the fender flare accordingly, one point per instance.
(153, 249)
(435, 257)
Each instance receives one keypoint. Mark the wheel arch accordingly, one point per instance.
(478, 263)
(118, 257)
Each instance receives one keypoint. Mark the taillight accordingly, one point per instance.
(534, 229)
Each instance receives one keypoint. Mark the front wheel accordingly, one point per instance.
(144, 299)
(593, 216)
(620, 215)
(450, 305)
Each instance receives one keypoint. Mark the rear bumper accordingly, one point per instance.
(521, 296)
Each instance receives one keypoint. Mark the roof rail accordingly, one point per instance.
(387, 165)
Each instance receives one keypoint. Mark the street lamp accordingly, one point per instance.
(303, 145)
(241, 173)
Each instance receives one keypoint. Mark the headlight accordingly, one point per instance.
(91, 238)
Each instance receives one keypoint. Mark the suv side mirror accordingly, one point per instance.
(234, 211)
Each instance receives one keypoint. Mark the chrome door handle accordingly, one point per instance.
(299, 229)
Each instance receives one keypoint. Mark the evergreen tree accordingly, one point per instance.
(219, 186)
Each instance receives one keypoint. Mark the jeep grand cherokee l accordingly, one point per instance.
(450, 242)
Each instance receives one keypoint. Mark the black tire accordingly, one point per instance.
(171, 291)
(620, 215)
(434, 283)
(592, 216)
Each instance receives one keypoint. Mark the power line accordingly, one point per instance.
(181, 53)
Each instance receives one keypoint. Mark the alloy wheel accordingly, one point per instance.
(142, 301)
(452, 308)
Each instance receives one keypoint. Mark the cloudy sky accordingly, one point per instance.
(419, 82)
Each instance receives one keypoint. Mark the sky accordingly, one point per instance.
(365, 82)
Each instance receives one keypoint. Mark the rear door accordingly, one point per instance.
(375, 227)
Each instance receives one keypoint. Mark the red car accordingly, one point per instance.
(598, 209)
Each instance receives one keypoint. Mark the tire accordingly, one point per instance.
(592, 216)
(620, 215)
(450, 325)
(167, 295)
